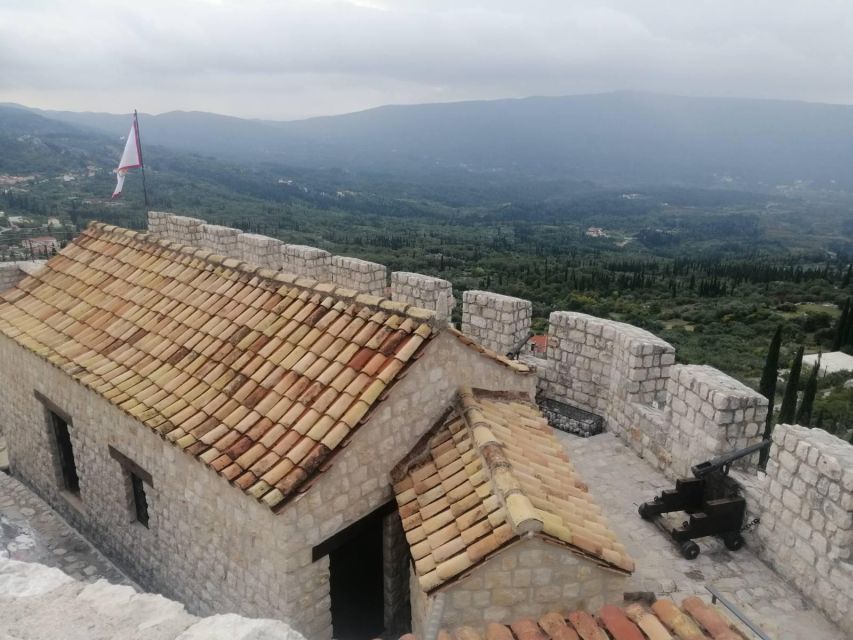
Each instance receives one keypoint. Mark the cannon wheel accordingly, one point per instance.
(733, 541)
(689, 549)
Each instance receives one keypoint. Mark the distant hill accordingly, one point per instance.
(616, 138)
(31, 143)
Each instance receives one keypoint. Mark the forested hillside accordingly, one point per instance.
(712, 270)
(624, 138)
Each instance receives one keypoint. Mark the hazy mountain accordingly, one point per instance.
(617, 138)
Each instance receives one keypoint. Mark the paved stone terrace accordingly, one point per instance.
(30, 531)
(620, 481)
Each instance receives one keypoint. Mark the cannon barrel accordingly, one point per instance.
(723, 462)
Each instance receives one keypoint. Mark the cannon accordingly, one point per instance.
(712, 501)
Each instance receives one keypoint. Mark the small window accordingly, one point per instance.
(140, 502)
(70, 479)
(136, 478)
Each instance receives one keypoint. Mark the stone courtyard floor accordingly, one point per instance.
(620, 481)
(30, 531)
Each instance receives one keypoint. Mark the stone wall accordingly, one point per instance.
(260, 250)
(357, 482)
(675, 416)
(423, 291)
(499, 322)
(360, 275)
(710, 413)
(806, 512)
(395, 575)
(209, 545)
(525, 580)
(309, 262)
(221, 240)
(11, 273)
(181, 229)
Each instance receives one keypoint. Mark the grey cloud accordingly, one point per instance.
(289, 59)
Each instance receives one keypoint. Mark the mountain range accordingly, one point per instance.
(623, 138)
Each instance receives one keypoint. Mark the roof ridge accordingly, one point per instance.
(370, 301)
(469, 342)
(522, 516)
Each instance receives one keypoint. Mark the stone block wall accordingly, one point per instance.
(710, 413)
(501, 323)
(806, 512)
(525, 580)
(309, 262)
(260, 250)
(11, 273)
(208, 544)
(181, 229)
(360, 275)
(395, 575)
(423, 291)
(157, 224)
(221, 240)
(674, 416)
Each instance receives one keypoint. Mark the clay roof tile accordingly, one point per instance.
(215, 354)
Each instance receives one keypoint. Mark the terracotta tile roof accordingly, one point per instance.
(540, 342)
(490, 471)
(260, 375)
(694, 620)
(489, 353)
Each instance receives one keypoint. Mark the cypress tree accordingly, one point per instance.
(846, 280)
(767, 388)
(841, 326)
(789, 401)
(804, 414)
(819, 422)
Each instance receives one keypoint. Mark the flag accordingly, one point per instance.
(131, 158)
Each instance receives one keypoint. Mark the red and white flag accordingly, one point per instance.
(131, 158)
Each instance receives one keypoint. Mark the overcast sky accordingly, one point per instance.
(296, 58)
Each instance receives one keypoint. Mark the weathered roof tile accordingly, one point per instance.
(490, 471)
(241, 367)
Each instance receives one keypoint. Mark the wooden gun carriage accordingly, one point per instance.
(712, 501)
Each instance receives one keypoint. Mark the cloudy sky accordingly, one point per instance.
(295, 58)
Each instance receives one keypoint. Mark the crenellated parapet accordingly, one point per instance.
(499, 322)
(423, 291)
(806, 517)
(672, 415)
(309, 262)
(361, 275)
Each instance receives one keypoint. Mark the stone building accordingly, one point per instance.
(497, 521)
(227, 432)
(142, 374)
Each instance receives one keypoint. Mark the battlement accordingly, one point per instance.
(499, 322)
(360, 275)
(806, 516)
(672, 415)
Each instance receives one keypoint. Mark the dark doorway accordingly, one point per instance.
(356, 585)
(66, 454)
(356, 576)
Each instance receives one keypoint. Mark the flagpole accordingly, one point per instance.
(139, 151)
